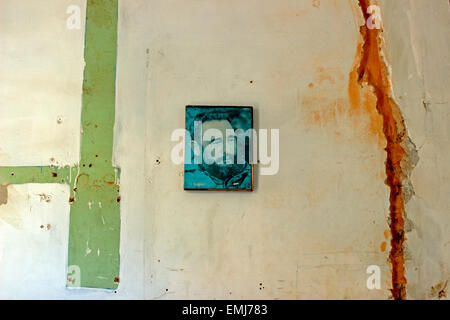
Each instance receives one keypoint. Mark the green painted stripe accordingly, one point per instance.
(94, 232)
(48, 174)
(94, 236)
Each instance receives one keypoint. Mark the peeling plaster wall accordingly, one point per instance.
(418, 46)
(308, 232)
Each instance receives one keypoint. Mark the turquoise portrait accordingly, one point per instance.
(218, 141)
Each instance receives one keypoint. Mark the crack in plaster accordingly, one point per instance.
(401, 152)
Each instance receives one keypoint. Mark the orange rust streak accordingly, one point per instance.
(372, 70)
(353, 84)
(363, 99)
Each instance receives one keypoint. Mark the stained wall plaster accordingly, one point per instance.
(308, 232)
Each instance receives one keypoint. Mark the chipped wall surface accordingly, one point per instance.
(311, 230)
(417, 39)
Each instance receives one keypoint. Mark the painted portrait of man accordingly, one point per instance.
(218, 148)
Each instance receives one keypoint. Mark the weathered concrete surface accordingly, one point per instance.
(417, 42)
(308, 232)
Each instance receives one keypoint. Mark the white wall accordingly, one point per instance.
(308, 232)
(41, 63)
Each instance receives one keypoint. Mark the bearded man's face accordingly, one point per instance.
(219, 168)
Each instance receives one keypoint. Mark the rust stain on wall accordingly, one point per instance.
(358, 104)
(363, 100)
(373, 71)
(372, 110)
(439, 291)
(319, 109)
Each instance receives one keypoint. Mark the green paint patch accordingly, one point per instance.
(94, 231)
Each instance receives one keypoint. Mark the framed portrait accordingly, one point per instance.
(218, 148)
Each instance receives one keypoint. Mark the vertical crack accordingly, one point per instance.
(401, 152)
